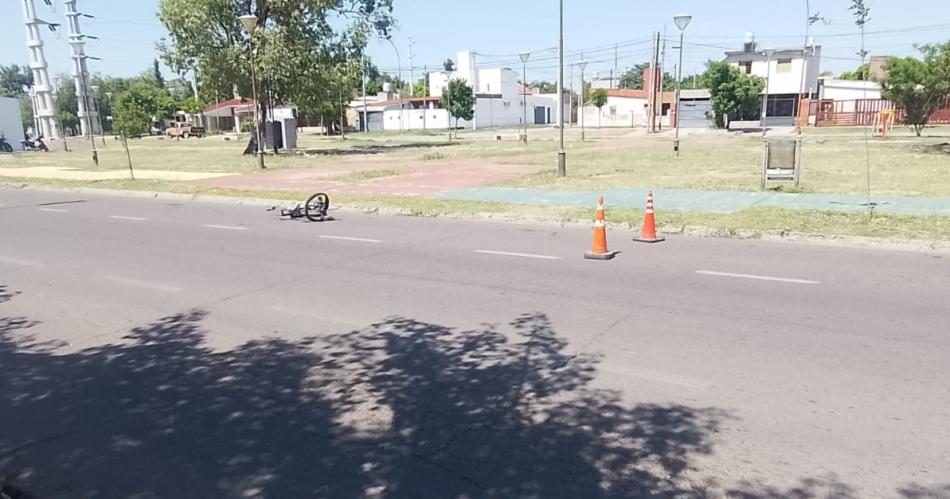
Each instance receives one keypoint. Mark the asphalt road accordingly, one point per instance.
(163, 348)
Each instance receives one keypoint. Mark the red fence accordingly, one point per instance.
(862, 112)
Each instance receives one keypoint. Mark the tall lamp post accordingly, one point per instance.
(561, 155)
(524, 93)
(763, 119)
(250, 25)
(582, 66)
(682, 21)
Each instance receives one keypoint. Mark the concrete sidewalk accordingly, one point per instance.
(706, 201)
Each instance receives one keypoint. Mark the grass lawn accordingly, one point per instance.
(834, 161)
(748, 222)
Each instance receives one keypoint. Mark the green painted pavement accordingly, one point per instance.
(705, 201)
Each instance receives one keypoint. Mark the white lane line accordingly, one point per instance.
(354, 239)
(133, 219)
(53, 210)
(520, 255)
(224, 227)
(143, 284)
(19, 262)
(757, 277)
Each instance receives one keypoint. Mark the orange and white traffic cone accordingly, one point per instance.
(648, 233)
(599, 249)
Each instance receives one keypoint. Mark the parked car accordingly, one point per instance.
(184, 131)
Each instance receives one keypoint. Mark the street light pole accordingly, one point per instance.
(765, 95)
(682, 21)
(398, 78)
(561, 155)
(524, 93)
(582, 66)
(250, 25)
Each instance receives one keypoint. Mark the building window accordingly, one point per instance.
(783, 66)
(745, 67)
(613, 110)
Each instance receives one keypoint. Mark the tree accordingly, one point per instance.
(448, 65)
(296, 43)
(633, 77)
(598, 98)
(459, 100)
(421, 88)
(15, 79)
(919, 87)
(151, 100)
(132, 116)
(862, 73)
(544, 87)
(190, 105)
(157, 74)
(733, 94)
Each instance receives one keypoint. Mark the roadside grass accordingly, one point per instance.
(831, 163)
(747, 223)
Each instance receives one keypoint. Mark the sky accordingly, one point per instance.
(597, 31)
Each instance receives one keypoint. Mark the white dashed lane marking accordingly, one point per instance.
(756, 277)
(224, 227)
(53, 210)
(131, 219)
(354, 239)
(519, 255)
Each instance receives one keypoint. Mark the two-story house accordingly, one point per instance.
(790, 73)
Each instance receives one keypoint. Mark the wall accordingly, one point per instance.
(416, 119)
(618, 112)
(11, 125)
(849, 90)
(783, 83)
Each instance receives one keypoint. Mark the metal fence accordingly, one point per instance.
(863, 112)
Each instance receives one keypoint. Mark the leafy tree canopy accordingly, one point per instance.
(734, 94)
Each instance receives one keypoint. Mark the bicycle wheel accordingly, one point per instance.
(316, 208)
(7, 147)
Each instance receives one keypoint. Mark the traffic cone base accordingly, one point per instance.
(590, 255)
(654, 240)
(599, 247)
(648, 233)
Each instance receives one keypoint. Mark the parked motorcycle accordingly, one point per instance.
(4, 145)
(36, 144)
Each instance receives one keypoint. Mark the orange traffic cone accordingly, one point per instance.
(599, 250)
(648, 233)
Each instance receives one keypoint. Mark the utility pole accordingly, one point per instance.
(45, 105)
(654, 60)
(412, 81)
(570, 100)
(561, 154)
(658, 77)
(425, 88)
(365, 114)
(614, 71)
(474, 68)
(80, 70)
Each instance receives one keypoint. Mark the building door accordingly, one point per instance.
(696, 113)
(540, 115)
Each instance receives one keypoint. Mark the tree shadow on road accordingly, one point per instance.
(399, 409)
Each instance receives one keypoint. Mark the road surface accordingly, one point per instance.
(163, 348)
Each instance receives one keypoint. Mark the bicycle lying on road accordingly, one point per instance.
(315, 209)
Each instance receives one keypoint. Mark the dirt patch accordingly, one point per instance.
(425, 178)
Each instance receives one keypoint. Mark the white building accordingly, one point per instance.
(848, 90)
(499, 96)
(783, 69)
(627, 108)
(11, 125)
